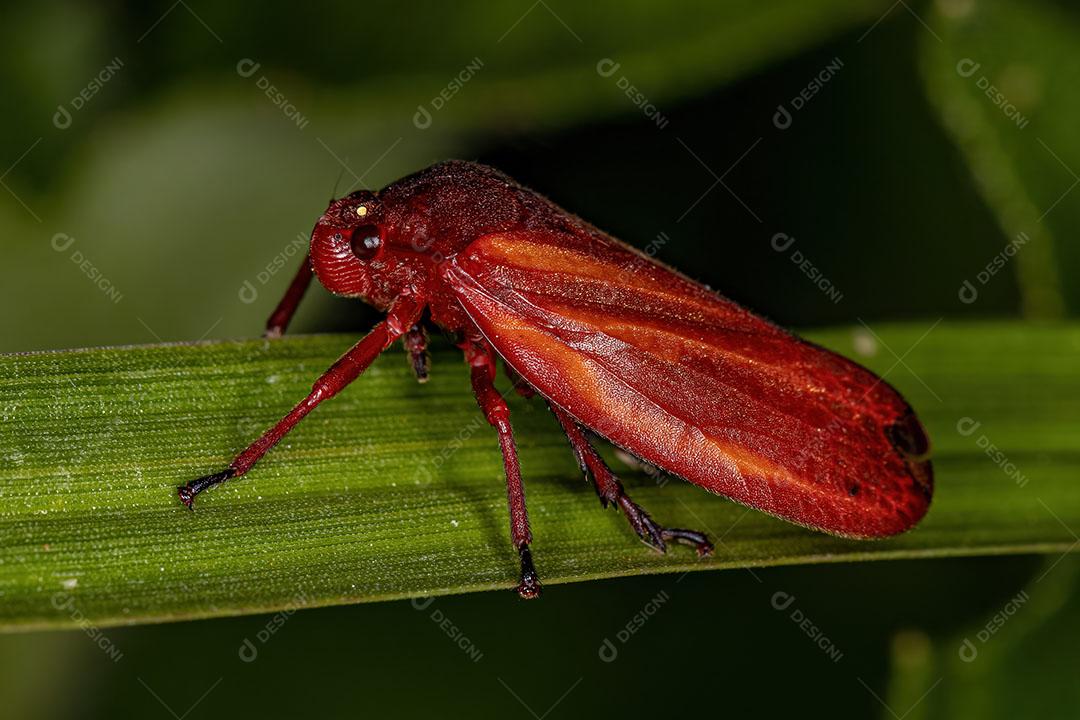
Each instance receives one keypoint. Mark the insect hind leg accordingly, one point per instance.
(611, 492)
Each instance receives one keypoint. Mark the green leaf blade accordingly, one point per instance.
(394, 489)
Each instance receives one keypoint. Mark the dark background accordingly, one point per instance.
(179, 180)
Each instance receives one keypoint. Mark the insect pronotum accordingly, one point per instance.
(617, 344)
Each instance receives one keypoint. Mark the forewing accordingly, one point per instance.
(697, 385)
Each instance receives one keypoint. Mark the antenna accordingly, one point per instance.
(333, 193)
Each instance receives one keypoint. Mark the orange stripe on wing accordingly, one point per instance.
(661, 339)
(587, 383)
(637, 274)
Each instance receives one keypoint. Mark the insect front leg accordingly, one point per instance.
(286, 308)
(347, 368)
(611, 491)
(481, 359)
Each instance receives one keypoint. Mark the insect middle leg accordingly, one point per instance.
(416, 344)
(481, 359)
(611, 491)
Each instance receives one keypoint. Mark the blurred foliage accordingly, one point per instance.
(178, 192)
(1003, 75)
(1004, 665)
(180, 180)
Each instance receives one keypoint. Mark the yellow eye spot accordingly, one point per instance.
(361, 211)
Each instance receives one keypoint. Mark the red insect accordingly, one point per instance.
(616, 343)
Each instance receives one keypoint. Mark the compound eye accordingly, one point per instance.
(365, 242)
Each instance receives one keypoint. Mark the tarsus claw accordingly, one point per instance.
(188, 492)
(529, 587)
(657, 536)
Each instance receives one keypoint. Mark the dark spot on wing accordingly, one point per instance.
(909, 439)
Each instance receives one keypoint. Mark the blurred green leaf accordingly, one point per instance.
(395, 489)
(380, 62)
(185, 179)
(1003, 76)
(1008, 665)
